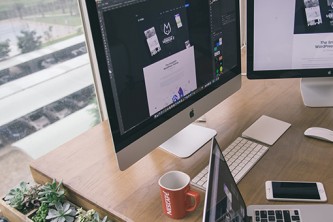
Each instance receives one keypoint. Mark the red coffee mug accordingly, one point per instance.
(176, 194)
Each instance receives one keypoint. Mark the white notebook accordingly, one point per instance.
(266, 130)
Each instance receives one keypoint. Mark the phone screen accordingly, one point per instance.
(294, 190)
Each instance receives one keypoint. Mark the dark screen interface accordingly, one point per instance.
(224, 201)
(295, 190)
(160, 53)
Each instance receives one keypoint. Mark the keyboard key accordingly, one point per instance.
(200, 183)
(278, 214)
(286, 216)
(295, 218)
(263, 214)
(195, 179)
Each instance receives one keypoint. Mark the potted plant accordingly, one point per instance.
(22, 200)
(44, 203)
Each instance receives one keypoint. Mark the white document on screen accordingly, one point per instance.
(170, 79)
(283, 39)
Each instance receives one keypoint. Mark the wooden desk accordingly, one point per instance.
(88, 168)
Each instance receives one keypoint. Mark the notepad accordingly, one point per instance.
(266, 130)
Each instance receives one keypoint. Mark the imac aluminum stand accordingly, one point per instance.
(317, 92)
(188, 140)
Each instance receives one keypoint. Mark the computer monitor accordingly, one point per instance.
(162, 64)
(293, 39)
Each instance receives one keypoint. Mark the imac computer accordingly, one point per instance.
(162, 65)
(293, 39)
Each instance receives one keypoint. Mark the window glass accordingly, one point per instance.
(47, 93)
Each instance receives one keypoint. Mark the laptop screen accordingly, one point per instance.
(223, 200)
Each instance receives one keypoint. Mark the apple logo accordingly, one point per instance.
(191, 114)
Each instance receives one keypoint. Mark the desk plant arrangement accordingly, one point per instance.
(47, 203)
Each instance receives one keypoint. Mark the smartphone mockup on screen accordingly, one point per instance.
(295, 191)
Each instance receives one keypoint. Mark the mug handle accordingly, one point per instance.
(196, 197)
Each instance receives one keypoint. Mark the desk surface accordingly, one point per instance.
(88, 168)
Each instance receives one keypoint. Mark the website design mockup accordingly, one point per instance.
(172, 76)
(293, 34)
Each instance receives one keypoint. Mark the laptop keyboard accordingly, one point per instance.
(277, 215)
(241, 155)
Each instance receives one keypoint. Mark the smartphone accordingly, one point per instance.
(295, 191)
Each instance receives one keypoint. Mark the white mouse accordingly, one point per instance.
(320, 133)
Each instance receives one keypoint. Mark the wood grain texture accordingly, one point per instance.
(87, 164)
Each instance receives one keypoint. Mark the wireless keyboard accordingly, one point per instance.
(241, 155)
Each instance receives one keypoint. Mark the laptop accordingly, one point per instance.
(224, 202)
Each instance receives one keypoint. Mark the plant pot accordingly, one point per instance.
(14, 215)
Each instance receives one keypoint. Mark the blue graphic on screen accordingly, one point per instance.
(180, 92)
(175, 98)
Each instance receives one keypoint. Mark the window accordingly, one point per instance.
(46, 83)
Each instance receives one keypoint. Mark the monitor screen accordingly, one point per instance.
(156, 60)
(290, 38)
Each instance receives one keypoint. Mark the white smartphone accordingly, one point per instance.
(295, 191)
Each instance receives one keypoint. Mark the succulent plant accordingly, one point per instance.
(23, 197)
(15, 196)
(89, 216)
(62, 213)
(49, 199)
(52, 193)
(30, 199)
(41, 213)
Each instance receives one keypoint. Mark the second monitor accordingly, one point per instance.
(293, 39)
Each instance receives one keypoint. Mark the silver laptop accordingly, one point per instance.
(224, 202)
